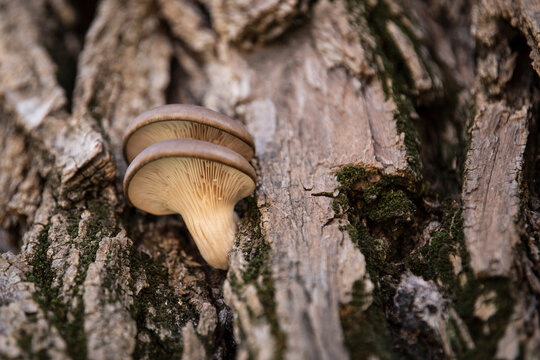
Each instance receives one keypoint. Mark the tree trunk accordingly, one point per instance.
(397, 213)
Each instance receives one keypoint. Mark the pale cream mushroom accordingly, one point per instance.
(199, 180)
(182, 121)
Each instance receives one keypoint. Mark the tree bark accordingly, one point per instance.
(397, 208)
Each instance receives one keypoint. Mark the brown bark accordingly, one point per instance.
(396, 212)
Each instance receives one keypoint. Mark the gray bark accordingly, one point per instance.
(396, 213)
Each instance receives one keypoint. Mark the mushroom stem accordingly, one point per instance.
(213, 231)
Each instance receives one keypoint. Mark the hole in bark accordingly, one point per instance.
(223, 343)
(526, 82)
(11, 235)
(178, 90)
(523, 85)
(65, 41)
(148, 230)
(205, 14)
(532, 164)
(85, 14)
(442, 149)
(443, 121)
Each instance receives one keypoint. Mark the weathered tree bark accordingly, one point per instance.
(397, 209)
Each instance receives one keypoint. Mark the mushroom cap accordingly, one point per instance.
(185, 121)
(199, 180)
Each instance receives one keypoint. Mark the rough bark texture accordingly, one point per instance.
(397, 209)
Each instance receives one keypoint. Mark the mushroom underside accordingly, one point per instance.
(203, 192)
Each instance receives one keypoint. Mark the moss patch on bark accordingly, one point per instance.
(380, 209)
(258, 271)
(445, 260)
(386, 215)
(158, 305)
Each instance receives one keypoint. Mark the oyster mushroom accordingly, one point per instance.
(182, 121)
(199, 180)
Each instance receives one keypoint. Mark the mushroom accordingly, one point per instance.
(181, 121)
(199, 180)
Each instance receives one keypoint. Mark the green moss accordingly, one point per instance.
(349, 177)
(103, 220)
(73, 219)
(486, 335)
(432, 262)
(365, 331)
(376, 251)
(24, 341)
(112, 269)
(157, 304)
(68, 316)
(383, 201)
(386, 213)
(256, 252)
(380, 208)
(393, 210)
(48, 298)
(41, 273)
(258, 271)
(383, 212)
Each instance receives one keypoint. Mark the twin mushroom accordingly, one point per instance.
(193, 161)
